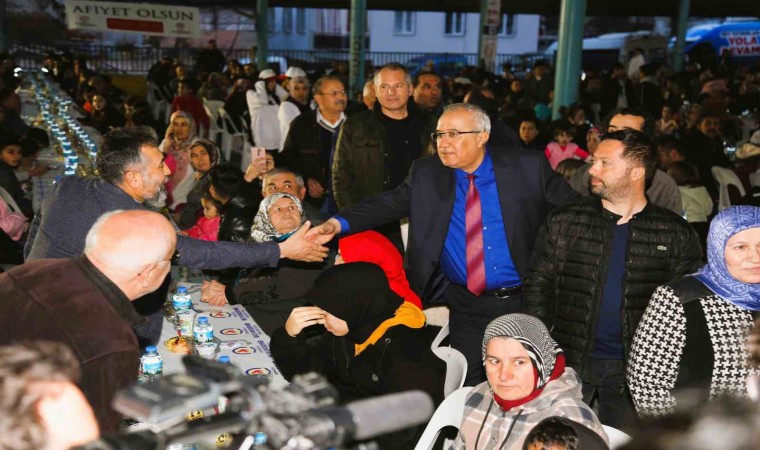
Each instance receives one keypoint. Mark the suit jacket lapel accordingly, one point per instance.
(444, 186)
(506, 184)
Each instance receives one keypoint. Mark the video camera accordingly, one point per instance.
(302, 416)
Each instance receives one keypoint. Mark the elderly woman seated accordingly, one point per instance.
(375, 343)
(527, 382)
(694, 332)
(269, 294)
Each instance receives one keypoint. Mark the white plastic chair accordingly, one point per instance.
(215, 132)
(232, 137)
(725, 177)
(448, 414)
(456, 363)
(617, 438)
(754, 179)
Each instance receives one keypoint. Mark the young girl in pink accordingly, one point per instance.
(562, 147)
(207, 226)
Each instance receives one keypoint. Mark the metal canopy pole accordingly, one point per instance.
(683, 17)
(358, 31)
(569, 53)
(262, 34)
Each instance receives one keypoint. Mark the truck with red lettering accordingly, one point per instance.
(740, 39)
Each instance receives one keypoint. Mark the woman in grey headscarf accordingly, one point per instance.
(527, 382)
(280, 215)
(269, 294)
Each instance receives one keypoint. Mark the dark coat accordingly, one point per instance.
(401, 360)
(58, 300)
(569, 264)
(303, 148)
(359, 162)
(237, 218)
(528, 190)
(270, 294)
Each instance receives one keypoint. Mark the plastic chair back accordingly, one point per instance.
(448, 414)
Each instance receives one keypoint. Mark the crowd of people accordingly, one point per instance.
(597, 269)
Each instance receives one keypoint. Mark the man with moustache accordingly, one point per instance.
(597, 262)
(428, 92)
(474, 211)
(310, 144)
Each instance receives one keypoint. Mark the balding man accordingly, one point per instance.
(85, 301)
(473, 216)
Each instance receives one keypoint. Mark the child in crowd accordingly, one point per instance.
(530, 134)
(697, 203)
(207, 226)
(561, 433)
(10, 160)
(667, 123)
(568, 167)
(562, 147)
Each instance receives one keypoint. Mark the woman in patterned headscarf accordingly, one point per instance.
(693, 333)
(527, 383)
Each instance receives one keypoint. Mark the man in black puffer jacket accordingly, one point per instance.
(597, 262)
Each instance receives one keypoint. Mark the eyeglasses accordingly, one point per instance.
(333, 93)
(451, 134)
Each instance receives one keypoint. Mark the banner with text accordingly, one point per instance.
(157, 20)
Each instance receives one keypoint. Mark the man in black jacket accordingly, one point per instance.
(311, 140)
(596, 263)
(376, 148)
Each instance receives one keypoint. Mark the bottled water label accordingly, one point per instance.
(181, 301)
(152, 365)
(203, 333)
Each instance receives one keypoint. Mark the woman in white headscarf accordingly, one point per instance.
(180, 135)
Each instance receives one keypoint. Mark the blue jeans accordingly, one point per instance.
(606, 392)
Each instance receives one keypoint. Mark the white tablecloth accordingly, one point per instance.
(230, 322)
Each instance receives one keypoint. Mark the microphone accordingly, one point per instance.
(367, 418)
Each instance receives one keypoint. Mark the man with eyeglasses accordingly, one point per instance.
(310, 143)
(376, 148)
(474, 211)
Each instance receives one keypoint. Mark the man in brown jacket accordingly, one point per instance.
(85, 301)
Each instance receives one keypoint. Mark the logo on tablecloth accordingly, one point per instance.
(231, 331)
(244, 351)
(219, 315)
(258, 371)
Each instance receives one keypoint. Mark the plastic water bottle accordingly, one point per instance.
(203, 331)
(223, 401)
(151, 363)
(181, 299)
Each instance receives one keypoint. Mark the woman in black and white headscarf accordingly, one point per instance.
(270, 293)
(527, 383)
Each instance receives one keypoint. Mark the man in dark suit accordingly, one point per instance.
(473, 216)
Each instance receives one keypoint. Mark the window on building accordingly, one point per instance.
(300, 21)
(287, 20)
(507, 25)
(270, 20)
(455, 24)
(404, 22)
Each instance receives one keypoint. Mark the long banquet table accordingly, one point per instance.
(230, 323)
